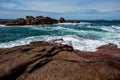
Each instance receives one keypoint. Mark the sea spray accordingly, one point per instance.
(85, 36)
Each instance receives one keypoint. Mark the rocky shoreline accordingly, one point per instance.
(38, 20)
(52, 61)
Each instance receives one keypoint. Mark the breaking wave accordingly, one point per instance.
(83, 36)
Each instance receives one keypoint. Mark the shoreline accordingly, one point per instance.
(71, 35)
(59, 39)
(109, 46)
(39, 59)
(16, 43)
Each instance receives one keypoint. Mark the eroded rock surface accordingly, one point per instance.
(52, 61)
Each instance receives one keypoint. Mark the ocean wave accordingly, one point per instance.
(81, 23)
(77, 42)
(85, 23)
(69, 23)
(80, 43)
(81, 37)
(2, 25)
(111, 28)
(22, 41)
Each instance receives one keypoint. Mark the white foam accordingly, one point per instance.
(80, 43)
(113, 39)
(84, 44)
(69, 23)
(89, 45)
(84, 23)
(22, 41)
(60, 28)
(2, 25)
(77, 42)
(81, 23)
(111, 28)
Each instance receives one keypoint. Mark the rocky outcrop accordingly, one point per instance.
(18, 21)
(61, 20)
(38, 20)
(30, 20)
(52, 61)
(3, 22)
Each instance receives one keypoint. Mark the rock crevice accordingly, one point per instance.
(51, 61)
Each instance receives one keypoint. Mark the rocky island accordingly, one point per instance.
(38, 20)
(30, 20)
(52, 61)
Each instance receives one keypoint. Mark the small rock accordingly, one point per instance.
(88, 61)
(61, 20)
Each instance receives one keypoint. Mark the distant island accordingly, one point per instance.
(38, 20)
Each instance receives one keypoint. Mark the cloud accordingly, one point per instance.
(61, 5)
(13, 14)
(8, 5)
(77, 9)
(83, 14)
(49, 5)
(106, 5)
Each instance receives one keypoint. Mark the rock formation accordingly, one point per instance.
(3, 22)
(30, 20)
(52, 61)
(61, 20)
(38, 20)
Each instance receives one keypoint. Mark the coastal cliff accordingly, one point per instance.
(53, 61)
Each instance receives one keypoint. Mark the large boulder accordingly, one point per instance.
(39, 17)
(30, 17)
(29, 20)
(61, 20)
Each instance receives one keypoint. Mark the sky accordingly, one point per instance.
(70, 9)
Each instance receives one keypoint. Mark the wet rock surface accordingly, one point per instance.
(52, 61)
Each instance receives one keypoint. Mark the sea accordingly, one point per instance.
(84, 36)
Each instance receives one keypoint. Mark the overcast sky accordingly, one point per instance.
(93, 9)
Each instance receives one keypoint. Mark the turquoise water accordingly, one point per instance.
(85, 36)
